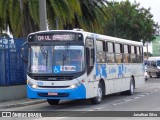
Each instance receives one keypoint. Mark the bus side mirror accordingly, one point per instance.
(23, 53)
(87, 56)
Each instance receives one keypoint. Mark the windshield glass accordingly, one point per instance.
(56, 59)
(40, 59)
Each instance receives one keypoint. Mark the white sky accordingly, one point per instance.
(153, 4)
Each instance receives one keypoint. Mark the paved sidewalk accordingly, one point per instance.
(20, 102)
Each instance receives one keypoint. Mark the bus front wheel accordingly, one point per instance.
(98, 98)
(53, 102)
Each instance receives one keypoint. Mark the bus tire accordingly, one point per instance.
(131, 88)
(98, 98)
(53, 102)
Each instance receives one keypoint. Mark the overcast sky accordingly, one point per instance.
(153, 4)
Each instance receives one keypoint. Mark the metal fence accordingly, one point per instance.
(12, 68)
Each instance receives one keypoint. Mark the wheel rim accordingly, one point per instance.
(99, 94)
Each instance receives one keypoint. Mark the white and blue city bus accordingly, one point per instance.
(74, 64)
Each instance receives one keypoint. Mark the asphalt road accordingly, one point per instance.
(145, 101)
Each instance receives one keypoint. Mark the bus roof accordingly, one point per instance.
(94, 35)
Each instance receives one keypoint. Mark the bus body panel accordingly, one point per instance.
(117, 80)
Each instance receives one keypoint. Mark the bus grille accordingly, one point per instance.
(53, 78)
(53, 86)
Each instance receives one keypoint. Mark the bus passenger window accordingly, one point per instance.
(133, 55)
(126, 58)
(110, 52)
(118, 53)
(138, 55)
(101, 57)
(141, 54)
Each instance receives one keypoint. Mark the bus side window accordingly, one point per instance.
(138, 55)
(118, 53)
(141, 54)
(100, 47)
(110, 57)
(133, 55)
(126, 57)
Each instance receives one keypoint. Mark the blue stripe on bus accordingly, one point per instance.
(77, 93)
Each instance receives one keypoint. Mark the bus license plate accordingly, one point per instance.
(52, 93)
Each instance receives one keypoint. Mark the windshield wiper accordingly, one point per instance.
(67, 45)
(44, 53)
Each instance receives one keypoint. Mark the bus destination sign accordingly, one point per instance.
(55, 37)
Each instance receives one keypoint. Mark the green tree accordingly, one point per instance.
(15, 15)
(63, 11)
(22, 16)
(86, 14)
(129, 21)
(93, 15)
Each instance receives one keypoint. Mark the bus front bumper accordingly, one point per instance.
(76, 93)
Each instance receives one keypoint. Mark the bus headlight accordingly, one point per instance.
(31, 84)
(75, 85)
(34, 86)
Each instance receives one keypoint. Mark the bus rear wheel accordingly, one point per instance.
(98, 98)
(53, 102)
(131, 89)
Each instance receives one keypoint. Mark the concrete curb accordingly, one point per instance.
(22, 104)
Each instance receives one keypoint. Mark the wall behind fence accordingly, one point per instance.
(12, 68)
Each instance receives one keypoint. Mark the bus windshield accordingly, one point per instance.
(56, 59)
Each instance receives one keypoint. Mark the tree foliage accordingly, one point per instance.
(22, 16)
(86, 14)
(129, 21)
(16, 15)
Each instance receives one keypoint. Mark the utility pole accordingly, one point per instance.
(42, 14)
(115, 30)
(147, 51)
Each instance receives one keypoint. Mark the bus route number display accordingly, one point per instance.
(53, 37)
